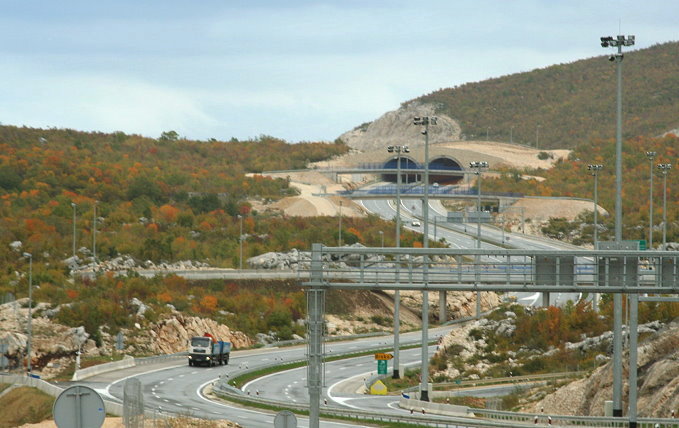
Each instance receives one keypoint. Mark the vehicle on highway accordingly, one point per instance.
(206, 350)
(416, 223)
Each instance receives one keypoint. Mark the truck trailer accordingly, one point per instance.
(208, 351)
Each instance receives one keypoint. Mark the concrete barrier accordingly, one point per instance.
(125, 363)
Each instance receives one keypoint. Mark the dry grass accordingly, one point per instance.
(24, 405)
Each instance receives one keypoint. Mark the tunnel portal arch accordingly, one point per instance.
(445, 163)
(406, 164)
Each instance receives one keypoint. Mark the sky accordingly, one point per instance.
(299, 70)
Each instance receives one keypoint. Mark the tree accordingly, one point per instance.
(169, 136)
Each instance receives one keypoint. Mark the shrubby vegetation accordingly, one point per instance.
(570, 178)
(541, 330)
(161, 200)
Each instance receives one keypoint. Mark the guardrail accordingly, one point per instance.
(504, 380)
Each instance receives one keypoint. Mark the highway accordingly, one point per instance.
(177, 388)
(464, 236)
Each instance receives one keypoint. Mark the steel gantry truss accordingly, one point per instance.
(498, 270)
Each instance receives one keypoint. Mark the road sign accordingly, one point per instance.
(79, 407)
(381, 366)
(119, 341)
(285, 419)
(383, 356)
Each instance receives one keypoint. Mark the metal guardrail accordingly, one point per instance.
(505, 380)
(560, 420)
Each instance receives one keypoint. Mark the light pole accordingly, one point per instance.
(424, 384)
(618, 42)
(30, 306)
(240, 243)
(595, 173)
(74, 210)
(650, 156)
(511, 134)
(381, 238)
(94, 233)
(478, 166)
(537, 137)
(488, 133)
(595, 234)
(397, 293)
(339, 237)
(664, 169)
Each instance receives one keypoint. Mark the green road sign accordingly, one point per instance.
(381, 366)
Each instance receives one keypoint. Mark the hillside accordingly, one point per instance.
(560, 106)
(572, 103)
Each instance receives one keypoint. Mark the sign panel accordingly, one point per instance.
(381, 367)
(285, 419)
(79, 407)
(383, 356)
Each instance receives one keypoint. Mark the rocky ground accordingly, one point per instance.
(658, 382)
(54, 346)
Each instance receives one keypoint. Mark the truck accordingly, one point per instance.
(207, 350)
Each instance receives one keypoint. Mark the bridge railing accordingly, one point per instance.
(579, 271)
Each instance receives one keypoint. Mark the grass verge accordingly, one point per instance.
(25, 405)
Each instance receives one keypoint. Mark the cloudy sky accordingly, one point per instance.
(300, 70)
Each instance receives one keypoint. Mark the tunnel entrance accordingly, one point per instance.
(406, 176)
(445, 164)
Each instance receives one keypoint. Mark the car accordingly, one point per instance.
(416, 223)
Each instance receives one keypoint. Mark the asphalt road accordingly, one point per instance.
(464, 236)
(175, 387)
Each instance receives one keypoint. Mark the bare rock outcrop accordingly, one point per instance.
(459, 304)
(396, 128)
(658, 383)
(172, 334)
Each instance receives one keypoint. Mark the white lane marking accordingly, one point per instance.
(247, 385)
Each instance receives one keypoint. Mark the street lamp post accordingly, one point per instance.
(595, 173)
(664, 169)
(74, 210)
(511, 136)
(488, 133)
(478, 166)
(619, 42)
(397, 293)
(537, 137)
(424, 384)
(650, 156)
(339, 236)
(381, 238)
(94, 233)
(240, 243)
(30, 306)
(595, 234)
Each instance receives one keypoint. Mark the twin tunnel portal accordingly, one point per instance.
(442, 170)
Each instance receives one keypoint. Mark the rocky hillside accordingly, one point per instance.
(658, 382)
(54, 345)
(554, 107)
(396, 128)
